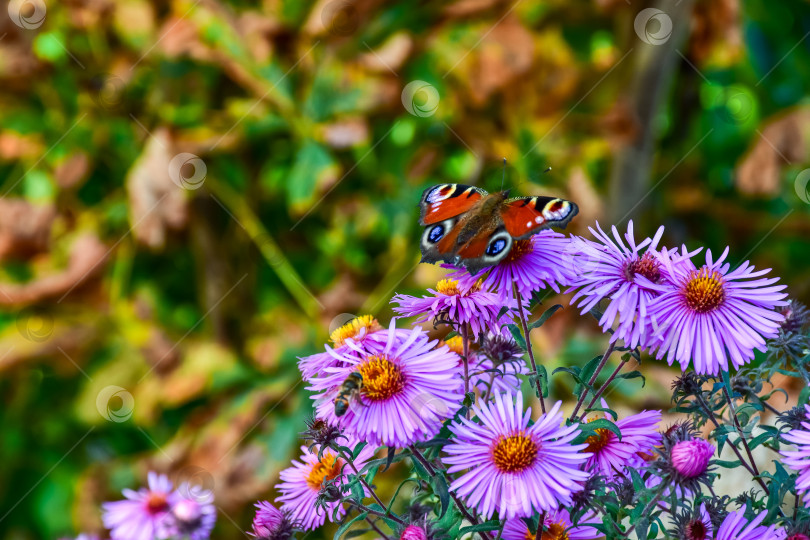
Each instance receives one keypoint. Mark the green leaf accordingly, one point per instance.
(392, 451)
(313, 167)
(601, 423)
(358, 449)
(513, 328)
(345, 527)
(545, 316)
(440, 489)
(491, 525)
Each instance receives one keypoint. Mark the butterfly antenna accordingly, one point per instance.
(503, 176)
(547, 170)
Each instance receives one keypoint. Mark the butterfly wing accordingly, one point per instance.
(445, 201)
(525, 216)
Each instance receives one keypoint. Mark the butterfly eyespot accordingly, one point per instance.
(436, 233)
(496, 247)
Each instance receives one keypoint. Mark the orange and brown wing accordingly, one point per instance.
(445, 201)
(524, 216)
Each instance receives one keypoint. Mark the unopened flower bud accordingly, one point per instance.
(412, 532)
(691, 458)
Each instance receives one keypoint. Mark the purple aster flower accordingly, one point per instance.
(468, 305)
(193, 515)
(799, 459)
(144, 513)
(608, 270)
(270, 523)
(302, 483)
(558, 526)
(409, 387)
(84, 536)
(712, 315)
(514, 468)
(610, 456)
(532, 264)
(694, 525)
(736, 527)
(482, 369)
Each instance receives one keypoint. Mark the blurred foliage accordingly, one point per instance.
(192, 283)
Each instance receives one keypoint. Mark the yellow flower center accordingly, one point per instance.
(456, 344)
(382, 378)
(555, 531)
(646, 265)
(515, 453)
(520, 248)
(704, 291)
(328, 468)
(598, 441)
(448, 287)
(352, 328)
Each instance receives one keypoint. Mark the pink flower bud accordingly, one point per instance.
(412, 532)
(798, 536)
(690, 458)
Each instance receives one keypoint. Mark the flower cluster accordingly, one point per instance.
(488, 461)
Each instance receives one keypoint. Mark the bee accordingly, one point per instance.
(349, 390)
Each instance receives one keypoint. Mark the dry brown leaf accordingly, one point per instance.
(781, 142)
(15, 145)
(390, 56)
(346, 133)
(503, 55)
(716, 33)
(465, 8)
(25, 228)
(156, 203)
(87, 257)
(72, 171)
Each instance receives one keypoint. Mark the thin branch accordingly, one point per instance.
(525, 324)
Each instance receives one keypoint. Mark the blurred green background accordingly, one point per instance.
(195, 192)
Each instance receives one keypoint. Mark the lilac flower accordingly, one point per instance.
(608, 269)
(712, 315)
(514, 468)
(532, 264)
(143, 515)
(270, 523)
(302, 482)
(558, 526)
(467, 305)
(736, 527)
(409, 387)
(799, 459)
(610, 456)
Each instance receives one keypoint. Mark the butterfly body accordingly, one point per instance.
(468, 227)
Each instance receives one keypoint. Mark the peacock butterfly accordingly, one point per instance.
(468, 227)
